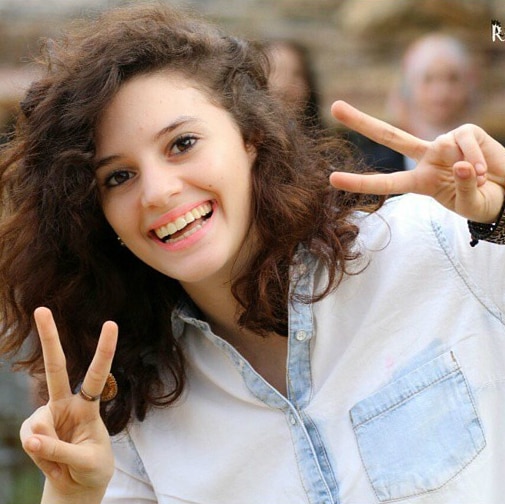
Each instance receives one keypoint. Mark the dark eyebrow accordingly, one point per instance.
(105, 161)
(171, 127)
(175, 124)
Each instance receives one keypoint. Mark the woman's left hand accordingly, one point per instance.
(464, 169)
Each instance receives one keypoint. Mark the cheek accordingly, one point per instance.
(420, 95)
(115, 215)
(460, 95)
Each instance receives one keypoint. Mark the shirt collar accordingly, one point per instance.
(187, 312)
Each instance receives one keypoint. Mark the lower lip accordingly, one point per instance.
(192, 239)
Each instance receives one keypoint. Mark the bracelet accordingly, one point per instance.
(494, 233)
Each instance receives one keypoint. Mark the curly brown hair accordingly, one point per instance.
(57, 249)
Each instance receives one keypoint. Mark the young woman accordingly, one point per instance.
(269, 339)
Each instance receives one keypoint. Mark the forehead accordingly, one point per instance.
(146, 97)
(284, 56)
(149, 107)
(159, 86)
(436, 55)
(441, 67)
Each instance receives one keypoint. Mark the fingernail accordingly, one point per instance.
(33, 444)
(463, 173)
(480, 169)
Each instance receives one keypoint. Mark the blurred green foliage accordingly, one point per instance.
(20, 480)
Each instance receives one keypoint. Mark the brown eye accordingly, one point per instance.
(118, 177)
(183, 144)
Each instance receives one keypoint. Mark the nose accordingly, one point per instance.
(159, 183)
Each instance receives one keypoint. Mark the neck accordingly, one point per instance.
(217, 303)
(266, 354)
(429, 131)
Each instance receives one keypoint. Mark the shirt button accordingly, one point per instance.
(302, 269)
(299, 271)
(301, 335)
(292, 419)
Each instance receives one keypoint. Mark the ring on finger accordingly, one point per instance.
(88, 397)
(108, 393)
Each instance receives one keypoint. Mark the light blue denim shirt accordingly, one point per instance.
(396, 386)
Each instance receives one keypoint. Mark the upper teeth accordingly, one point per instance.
(182, 221)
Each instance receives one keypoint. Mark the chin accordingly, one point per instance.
(205, 271)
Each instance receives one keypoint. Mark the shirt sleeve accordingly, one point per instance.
(130, 483)
(423, 225)
(483, 264)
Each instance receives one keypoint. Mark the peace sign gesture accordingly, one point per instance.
(67, 438)
(464, 169)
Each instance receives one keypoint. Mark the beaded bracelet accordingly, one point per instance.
(494, 233)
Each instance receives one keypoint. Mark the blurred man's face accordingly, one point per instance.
(441, 92)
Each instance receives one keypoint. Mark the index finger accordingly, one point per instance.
(379, 183)
(54, 359)
(379, 131)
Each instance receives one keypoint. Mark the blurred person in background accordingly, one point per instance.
(292, 79)
(437, 91)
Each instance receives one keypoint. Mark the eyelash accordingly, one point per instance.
(111, 180)
(184, 139)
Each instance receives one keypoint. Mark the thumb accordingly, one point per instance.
(53, 450)
(54, 456)
(37, 448)
(469, 199)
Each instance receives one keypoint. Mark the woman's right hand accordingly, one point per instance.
(67, 438)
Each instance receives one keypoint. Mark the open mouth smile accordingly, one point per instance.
(185, 225)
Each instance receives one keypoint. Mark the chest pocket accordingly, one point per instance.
(419, 432)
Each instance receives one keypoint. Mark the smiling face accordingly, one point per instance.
(174, 175)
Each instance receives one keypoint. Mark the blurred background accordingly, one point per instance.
(354, 49)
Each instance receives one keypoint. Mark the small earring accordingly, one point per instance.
(121, 242)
